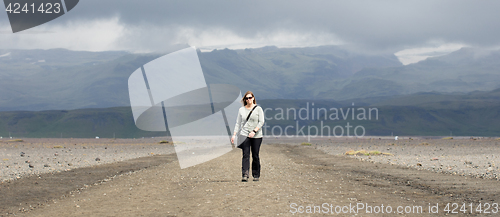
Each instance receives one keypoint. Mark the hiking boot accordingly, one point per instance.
(255, 179)
(245, 176)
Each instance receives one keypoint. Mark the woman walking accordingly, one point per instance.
(249, 124)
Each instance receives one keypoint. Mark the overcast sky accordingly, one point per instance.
(411, 29)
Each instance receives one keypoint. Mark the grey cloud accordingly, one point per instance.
(372, 25)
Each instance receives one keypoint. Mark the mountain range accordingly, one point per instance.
(62, 79)
(45, 93)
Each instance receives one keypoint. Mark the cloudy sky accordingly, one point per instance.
(413, 30)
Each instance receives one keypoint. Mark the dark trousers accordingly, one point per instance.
(251, 144)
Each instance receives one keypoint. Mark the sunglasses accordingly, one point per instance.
(248, 97)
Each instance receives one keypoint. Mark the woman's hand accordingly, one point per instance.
(251, 135)
(232, 139)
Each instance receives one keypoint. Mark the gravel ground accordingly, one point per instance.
(463, 156)
(293, 176)
(478, 157)
(38, 156)
(304, 175)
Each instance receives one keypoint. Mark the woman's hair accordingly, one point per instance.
(244, 96)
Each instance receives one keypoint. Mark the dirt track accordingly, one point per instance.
(292, 176)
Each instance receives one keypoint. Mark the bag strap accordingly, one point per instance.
(248, 117)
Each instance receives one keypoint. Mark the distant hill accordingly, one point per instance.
(429, 114)
(82, 123)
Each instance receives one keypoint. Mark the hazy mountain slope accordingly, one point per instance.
(61, 79)
(463, 71)
(288, 72)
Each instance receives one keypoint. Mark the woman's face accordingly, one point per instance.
(249, 99)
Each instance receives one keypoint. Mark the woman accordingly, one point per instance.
(252, 129)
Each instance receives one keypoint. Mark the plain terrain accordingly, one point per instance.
(294, 178)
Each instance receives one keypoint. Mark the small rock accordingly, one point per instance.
(419, 164)
(98, 159)
(46, 165)
(22, 154)
(70, 164)
(31, 166)
(56, 154)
